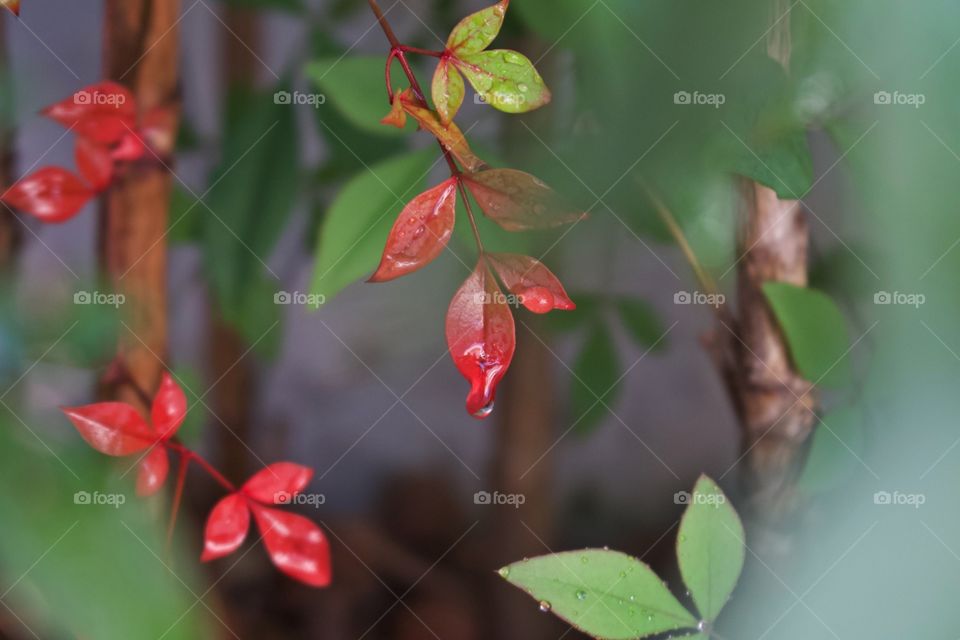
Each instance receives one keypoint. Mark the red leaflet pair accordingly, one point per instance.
(104, 117)
(295, 544)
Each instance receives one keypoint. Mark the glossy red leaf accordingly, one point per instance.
(278, 482)
(52, 194)
(12, 5)
(227, 527)
(95, 162)
(481, 338)
(420, 233)
(152, 471)
(537, 288)
(129, 148)
(113, 428)
(169, 407)
(296, 545)
(518, 201)
(103, 112)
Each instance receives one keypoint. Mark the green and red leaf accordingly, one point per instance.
(448, 90)
(518, 201)
(506, 80)
(531, 281)
(478, 30)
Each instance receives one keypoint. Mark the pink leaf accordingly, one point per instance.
(227, 527)
(277, 483)
(51, 194)
(113, 428)
(103, 112)
(153, 471)
(169, 407)
(296, 545)
(420, 233)
(517, 201)
(538, 289)
(481, 337)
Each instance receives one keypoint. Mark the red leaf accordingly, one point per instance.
(94, 162)
(296, 545)
(130, 147)
(51, 194)
(113, 428)
(481, 337)
(277, 483)
(538, 289)
(103, 112)
(153, 471)
(227, 527)
(518, 201)
(169, 407)
(448, 134)
(420, 233)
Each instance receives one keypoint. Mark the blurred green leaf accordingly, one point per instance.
(838, 443)
(294, 6)
(185, 217)
(815, 331)
(710, 548)
(357, 223)
(642, 323)
(783, 164)
(605, 594)
(595, 376)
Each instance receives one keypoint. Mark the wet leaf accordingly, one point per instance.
(518, 201)
(152, 471)
(103, 112)
(169, 407)
(506, 80)
(95, 162)
(226, 528)
(278, 482)
(448, 90)
(448, 134)
(538, 289)
(478, 30)
(113, 428)
(52, 194)
(296, 545)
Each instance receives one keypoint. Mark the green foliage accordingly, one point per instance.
(506, 80)
(610, 595)
(814, 329)
(838, 442)
(353, 85)
(595, 375)
(641, 323)
(292, 6)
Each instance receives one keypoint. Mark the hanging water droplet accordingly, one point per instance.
(581, 595)
(483, 412)
(545, 606)
(504, 572)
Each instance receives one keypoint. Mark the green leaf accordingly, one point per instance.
(605, 594)
(595, 376)
(838, 441)
(477, 31)
(354, 87)
(589, 306)
(357, 224)
(506, 80)
(293, 6)
(185, 218)
(641, 323)
(815, 331)
(710, 548)
(783, 164)
(448, 91)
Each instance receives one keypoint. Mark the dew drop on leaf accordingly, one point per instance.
(581, 595)
(504, 572)
(545, 606)
(483, 412)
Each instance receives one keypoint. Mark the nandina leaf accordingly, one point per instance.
(52, 194)
(113, 428)
(518, 201)
(153, 470)
(420, 233)
(538, 289)
(95, 162)
(130, 147)
(448, 90)
(296, 545)
(277, 483)
(505, 79)
(478, 30)
(12, 5)
(227, 526)
(398, 115)
(449, 134)
(159, 127)
(103, 112)
(481, 337)
(169, 407)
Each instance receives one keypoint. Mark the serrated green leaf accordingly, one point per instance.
(358, 222)
(605, 594)
(354, 86)
(506, 80)
(710, 548)
(642, 323)
(815, 331)
(595, 376)
(478, 30)
(838, 441)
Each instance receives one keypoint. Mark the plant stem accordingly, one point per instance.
(201, 461)
(422, 52)
(182, 466)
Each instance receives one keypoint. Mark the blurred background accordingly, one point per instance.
(607, 412)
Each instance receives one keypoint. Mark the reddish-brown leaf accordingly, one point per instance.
(481, 337)
(227, 527)
(103, 112)
(531, 281)
(169, 407)
(52, 194)
(113, 428)
(449, 135)
(420, 233)
(296, 545)
(518, 201)
(95, 162)
(278, 482)
(153, 470)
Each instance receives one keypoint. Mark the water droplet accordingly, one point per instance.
(632, 598)
(483, 412)
(523, 88)
(504, 572)
(581, 595)
(545, 606)
(584, 559)
(682, 538)
(649, 617)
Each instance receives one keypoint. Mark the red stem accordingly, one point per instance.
(206, 466)
(177, 495)
(422, 52)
